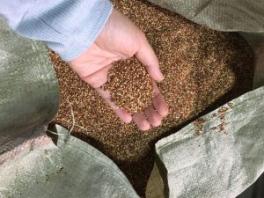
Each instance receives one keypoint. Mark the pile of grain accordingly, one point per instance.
(202, 68)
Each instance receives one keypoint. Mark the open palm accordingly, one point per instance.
(121, 39)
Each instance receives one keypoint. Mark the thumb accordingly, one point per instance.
(148, 58)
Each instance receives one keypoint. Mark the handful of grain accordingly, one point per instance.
(130, 85)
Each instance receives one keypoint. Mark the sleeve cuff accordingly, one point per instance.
(86, 34)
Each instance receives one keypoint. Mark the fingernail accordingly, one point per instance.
(145, 127)
(164, 113)
(156, 124)
(161, 76)
(128, 120)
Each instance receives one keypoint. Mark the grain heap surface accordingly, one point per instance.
(130, 85)
(203, 68)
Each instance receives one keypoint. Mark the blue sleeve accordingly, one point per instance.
(66, 26)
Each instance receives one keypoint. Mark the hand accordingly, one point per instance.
(121, 39)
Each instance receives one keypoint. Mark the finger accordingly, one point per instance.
(160, 105)
(147, 57)
(141, 121)
(98, 78)
(159, 102)
(122, 114)
(153, 116)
